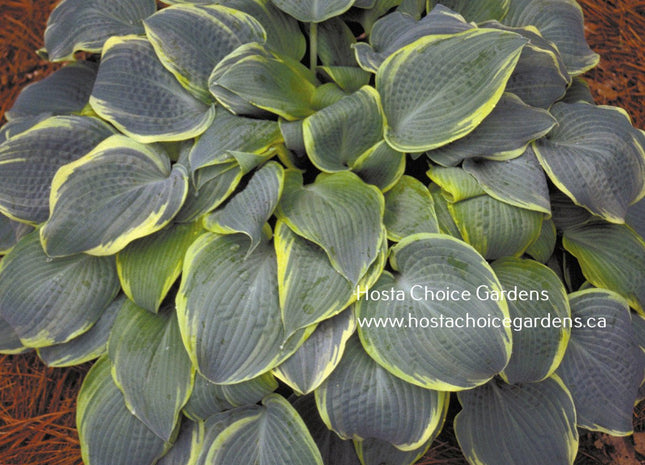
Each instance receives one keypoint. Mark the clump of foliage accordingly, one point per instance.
(202, 203)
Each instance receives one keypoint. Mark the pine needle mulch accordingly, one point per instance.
(37, 404)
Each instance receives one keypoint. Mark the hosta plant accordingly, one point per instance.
(290, 231)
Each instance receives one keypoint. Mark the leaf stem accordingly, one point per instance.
(313, 46)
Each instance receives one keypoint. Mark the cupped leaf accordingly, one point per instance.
(424, 323)
(348, 78)
(11, 232)
(381, 166)
(313, 11)
(261, 79)
(190, 40)
(341, 214)
(496, 229)
(439, 88)
(334, 450)
(143, 99)
(534, 292)
(531, 424)
(396, 30)
(119, 192)
(215, 183)
(479, 11)
(244, 337)
(565, 213)
(543, 247)
(30, 160)
(151, 366)
(20, 125)
(594, 156)
(314, 360)
(635, 217)
(109, 434)
(520, 181)
(603, 361)
(378, 452)
(229, 133)
(503, 134)
(88, 346)
(249, 210)
(283, 32)
(563, 26)
(540, 77)
(67, 90)
(578, 92)
(336, 136)
(87, 24)
(149, 266)
(209, 398)
(50, 301)
(456, 183)
(409, 209)
(311, 290)
(612, 256)
(362, 400)
(276, 434)
(444, 218)
(335, 39)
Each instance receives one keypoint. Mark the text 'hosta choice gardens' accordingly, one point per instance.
(288, 230)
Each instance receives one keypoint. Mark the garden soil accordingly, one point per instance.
(37, 404)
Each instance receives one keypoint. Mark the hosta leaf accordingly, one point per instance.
(361, 400)
(20, 125)
(543, 247)
(540, 77)
(611, 256)
(438, 277)
(86, 24)
(208, 398)
(190, 40)
(313, 11)
(396, 30)
(456, 183)
(594, 157)
(148, 267)
(520, 181)
(9, 339)
(311, 290)
(494, 426)
(335, 39)
(249, 210)
(232, 133)
(143, 99)
(314, 360)
(151, 366)
(50, 301)
(336, 136)
(11, 232)
(88, 346)
(64, 91)
(348, 78)
(381, 166)
(578, 92)
(276, 434)
(444, 218)
(341, 214)
(428, 105)
(378, 452)
(409, 209)
(496, 229)
(109, 434)
(635, 217)
(563, 26)
(603, 362)
(266, 81)
(245, 337)
(534, 291)
(30, 160)
(92, 213)
(283, 31)
(334, 451)
(565, 213)
(479, 11)
(504, 133)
